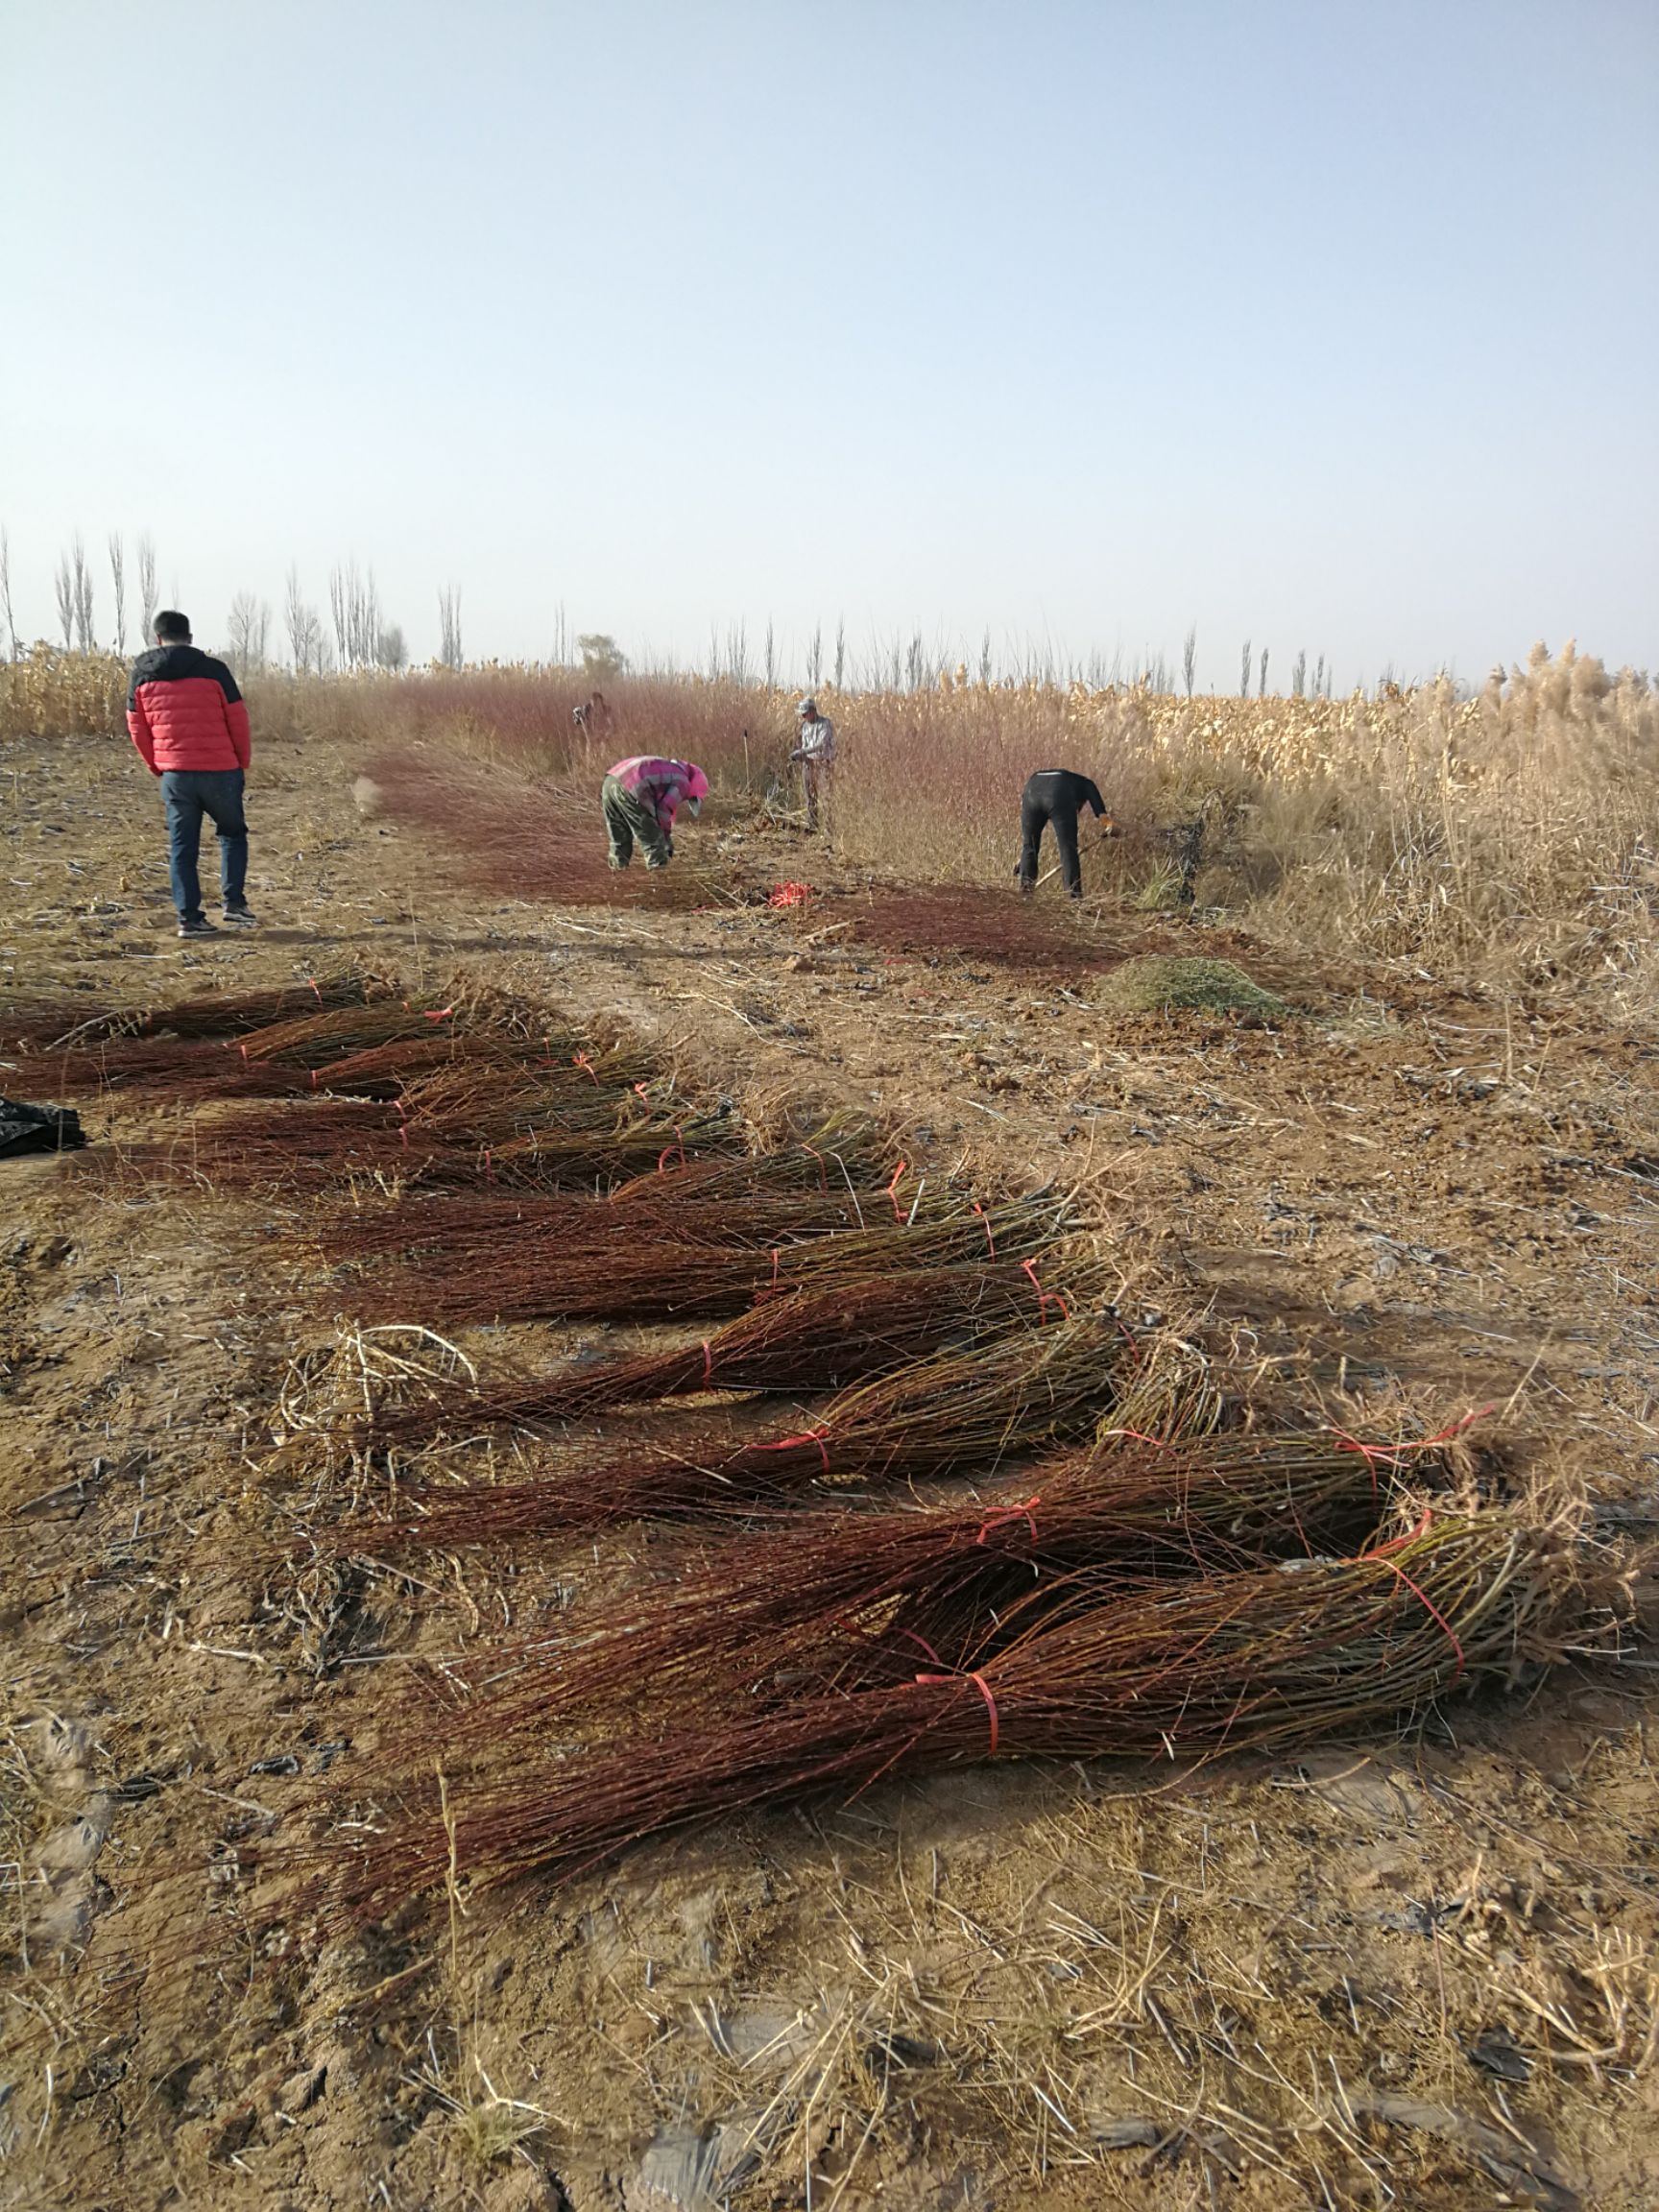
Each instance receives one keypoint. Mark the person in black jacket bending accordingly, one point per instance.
(1053, 797)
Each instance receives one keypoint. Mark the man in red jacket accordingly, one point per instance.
(188, 720)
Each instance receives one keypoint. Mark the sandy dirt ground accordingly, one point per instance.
(1415, 1972)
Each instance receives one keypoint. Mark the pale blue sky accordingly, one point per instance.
(1332, 326)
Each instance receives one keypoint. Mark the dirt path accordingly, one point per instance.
(1431, 1963)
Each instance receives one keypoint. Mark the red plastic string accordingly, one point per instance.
(443, 1014)
(581, 1060)
(1140, 1436)
(989, 1238)
(488, 1173)
(893, 1190)
(1434, 1611)
(313, 1078)
(806, 1436)
(775, 1252)
(1004, 1514)
(1128, 1337)
(1372, 1452)
(984, 1689)
(1045, 1298)
(312, 980)
(243, 1050)
(823, 1170)
(1399, 1543)
(708, 1363)
(669, 1152)
(921, 1643)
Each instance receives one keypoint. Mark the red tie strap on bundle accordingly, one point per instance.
(989, 1238)
(789, 895)
(669, 1152)
(806, 1436)
(823, 1170)
(443, 1014)
(1001, 1516)
(708, 1364)
(312, 980)
(581, 1060)
(893, 1190)
(1128, 1335)
(1431, 1608)
(1371, 1454)
(1045, 1298)
(984, 1689)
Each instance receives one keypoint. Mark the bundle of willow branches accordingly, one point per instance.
(1166, 1671)
(799, 1340)
(970, 1408)
(48, 1023)
(312, 1146)
(610, 1274)
(832, 1598)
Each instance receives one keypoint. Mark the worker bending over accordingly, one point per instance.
(1052, 799)
(640, 798)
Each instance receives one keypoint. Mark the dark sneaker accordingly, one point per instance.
(201, 929)
(242, 917)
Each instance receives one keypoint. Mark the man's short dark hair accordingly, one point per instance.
(172, 627)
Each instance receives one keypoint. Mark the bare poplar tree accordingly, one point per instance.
(391, 652)
(86, 637)
(1299, 676)
(63, 584)
(1261, 687)
(1189, 658)
(118, 575)
(840, 652)
(815, 659)
(355, 603)
(6, 614)
(147, 587)
(249, 632)
(449, 626)
(1244, 671)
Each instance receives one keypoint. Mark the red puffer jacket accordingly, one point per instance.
(185, 712)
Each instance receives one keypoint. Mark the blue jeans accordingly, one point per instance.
(188, 794)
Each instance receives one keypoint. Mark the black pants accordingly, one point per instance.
(1046, 802)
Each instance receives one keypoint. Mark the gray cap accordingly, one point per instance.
(805, 706)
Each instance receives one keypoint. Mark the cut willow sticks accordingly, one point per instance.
(800, 1340)
(604, 1275)
(1269, 1659)
(855, 1600)
(48, 1025)
(957, 1410)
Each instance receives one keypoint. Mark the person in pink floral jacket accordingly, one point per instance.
(641, 799)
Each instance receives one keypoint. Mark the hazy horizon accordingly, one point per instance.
(1081, 327)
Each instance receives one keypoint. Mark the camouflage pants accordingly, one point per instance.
(630, 822)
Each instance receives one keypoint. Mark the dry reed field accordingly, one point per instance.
(789, 1535)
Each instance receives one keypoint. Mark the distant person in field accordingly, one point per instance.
(594, 718)
(641, 799)
(1053, 798)
(188, 720)
(815, 751)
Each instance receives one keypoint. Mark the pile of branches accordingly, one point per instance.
(799, 1340)
(832, 1598)
(1103, 1668)
(679, 1268)
(973, 1409)
(56, 1025)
